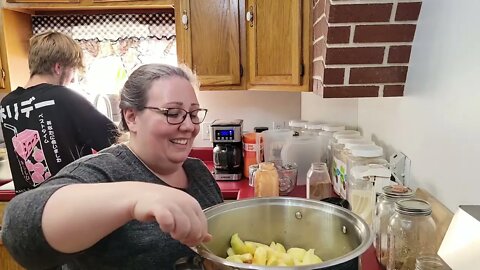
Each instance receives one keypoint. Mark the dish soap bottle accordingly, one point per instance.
(266, 180)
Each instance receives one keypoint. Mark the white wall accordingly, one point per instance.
(437, 124)
(256, 108)
(337, 111)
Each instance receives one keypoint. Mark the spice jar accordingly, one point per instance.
(411, 234)
(384, 210)
(319, 185)
(266, 182)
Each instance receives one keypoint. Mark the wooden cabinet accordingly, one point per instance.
(43, 1)
(54, 5)
(274, 36)
(14, 42)
(208, 40)
(6, 261)
(246, 44)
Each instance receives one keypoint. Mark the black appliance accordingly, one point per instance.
(226, 136)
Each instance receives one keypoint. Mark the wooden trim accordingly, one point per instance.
(440, 213)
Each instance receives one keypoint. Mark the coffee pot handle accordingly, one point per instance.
(230, 157)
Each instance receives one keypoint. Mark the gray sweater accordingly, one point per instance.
(135, 245)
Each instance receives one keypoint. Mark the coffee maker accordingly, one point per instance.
(226, 136)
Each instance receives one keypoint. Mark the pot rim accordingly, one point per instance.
(293, 201)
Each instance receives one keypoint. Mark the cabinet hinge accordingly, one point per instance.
(241, 70)
(302, 69)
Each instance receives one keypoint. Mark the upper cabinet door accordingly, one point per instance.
(274, 40)
(208, 40)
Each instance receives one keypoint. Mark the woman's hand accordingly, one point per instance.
(177, 213)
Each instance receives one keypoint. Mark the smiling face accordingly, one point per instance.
(159, 144)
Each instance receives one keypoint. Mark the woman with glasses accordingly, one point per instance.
(136, 205)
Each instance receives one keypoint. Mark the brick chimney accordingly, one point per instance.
(362, 48)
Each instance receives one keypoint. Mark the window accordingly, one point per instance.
(114, 45)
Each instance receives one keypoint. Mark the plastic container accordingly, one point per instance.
(303, 151)
(384, 210)
(312, 129)
(266, 182)
(361, 192)
(333, 146)
(250, 149)
(319, 185)
(273, 142)
(339, 165)
(411, 234)
(358, 154)
(379, 174)
(297, 126)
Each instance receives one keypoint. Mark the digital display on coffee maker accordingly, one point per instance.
(225, 134)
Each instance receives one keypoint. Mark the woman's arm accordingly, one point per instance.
(79, 215)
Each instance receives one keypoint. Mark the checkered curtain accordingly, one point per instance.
(109, 27)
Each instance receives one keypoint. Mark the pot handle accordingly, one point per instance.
(189, 263)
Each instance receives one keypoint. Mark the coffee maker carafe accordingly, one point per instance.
(226, 136)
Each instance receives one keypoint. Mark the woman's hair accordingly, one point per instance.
(134, 92)
(49, 48)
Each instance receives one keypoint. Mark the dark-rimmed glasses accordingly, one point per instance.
(176, 116)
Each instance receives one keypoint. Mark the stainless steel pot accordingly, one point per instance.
(338, 236)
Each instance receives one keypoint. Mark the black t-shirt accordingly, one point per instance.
(46, 127)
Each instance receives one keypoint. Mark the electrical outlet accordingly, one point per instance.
(206, 130)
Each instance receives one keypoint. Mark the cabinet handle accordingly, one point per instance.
(249, 15)
(185, 19)
(3, 74)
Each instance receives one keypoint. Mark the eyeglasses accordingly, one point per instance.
(176, 116)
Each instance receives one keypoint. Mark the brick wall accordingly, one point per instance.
(362, 48)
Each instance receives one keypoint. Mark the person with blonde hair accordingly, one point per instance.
(135, 205)
(45, 124)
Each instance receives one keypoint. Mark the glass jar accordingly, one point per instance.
(319, 185)
(411, 234)
(430, 262)
(266, 182)
(287, 176)
(384, 210)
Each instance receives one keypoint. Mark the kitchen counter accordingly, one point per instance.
(241, 190)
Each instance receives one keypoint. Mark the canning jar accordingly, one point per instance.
(411, 234)
(384, 210)
(430, 262)
(319, 185)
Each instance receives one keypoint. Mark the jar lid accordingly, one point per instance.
(345, 132)
(397, 191)
(349, 139)
(413, 207)
(352, 142)
(366, 151)
(333, 127)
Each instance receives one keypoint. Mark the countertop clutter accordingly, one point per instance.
(231, 190)
(238, 190)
